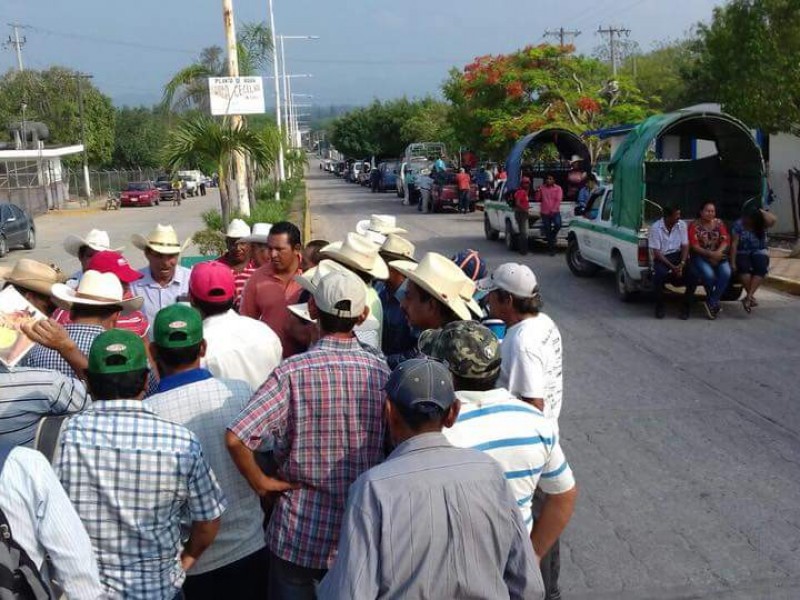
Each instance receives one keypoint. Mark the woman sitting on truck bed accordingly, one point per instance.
(709, 241)
(749, 253)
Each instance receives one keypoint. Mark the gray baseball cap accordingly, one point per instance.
(420, 383)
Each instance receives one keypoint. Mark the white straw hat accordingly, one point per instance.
(96, 239)
(358, 253)
(95, 289)
(398, 248)
(441, 278)
(384, 224)
(163, 239)
(237, 229)
(259, 234)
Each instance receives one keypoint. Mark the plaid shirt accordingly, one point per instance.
(44, 358)
(322, 414)
(133, 478)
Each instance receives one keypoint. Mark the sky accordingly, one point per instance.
(367, 48)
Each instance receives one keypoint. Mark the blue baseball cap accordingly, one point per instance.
(421, 384)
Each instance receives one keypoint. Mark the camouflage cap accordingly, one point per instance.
(470, 349)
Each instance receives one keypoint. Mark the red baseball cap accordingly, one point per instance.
(212, 282)
(108, 261)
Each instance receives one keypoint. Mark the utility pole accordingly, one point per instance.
(614, 34)
(242, 204)
(562, 34)
(86, 182)
(17, 42)
(281, 168)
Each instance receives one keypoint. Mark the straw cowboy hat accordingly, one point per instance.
(377, 227)
(259, 234)
(163, 239)
(397, 248)
(576, 158)
(441, 278)
(96, 239)
(237, 229)
(95, 289)
(358, 253)
(32, 275)
(468, 295)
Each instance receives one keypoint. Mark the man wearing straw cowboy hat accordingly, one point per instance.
(164, 281)
(434, 292)
(237, 257)
(360, 255)
(258, 243)
(398, 338)
(94, 307)
(377, 227)
(84, 248)
(34, 280)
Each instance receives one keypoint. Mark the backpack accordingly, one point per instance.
(20, 578)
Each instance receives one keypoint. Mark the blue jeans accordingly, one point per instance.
(551, 225)
(715, 278)
(463, 200)
(288, 581)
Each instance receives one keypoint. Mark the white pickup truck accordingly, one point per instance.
(498, 217)
(612, 233)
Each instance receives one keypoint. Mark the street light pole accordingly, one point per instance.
(281, 168)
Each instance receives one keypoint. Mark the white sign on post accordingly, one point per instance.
(236, 95)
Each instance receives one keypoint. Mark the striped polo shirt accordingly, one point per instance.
(239, 278)
(519, 437)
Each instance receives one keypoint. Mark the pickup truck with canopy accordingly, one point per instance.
(612, 232)
(538, 154)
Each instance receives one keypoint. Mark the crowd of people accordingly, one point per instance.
(287, 421)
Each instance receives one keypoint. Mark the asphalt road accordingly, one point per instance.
(683, 435)
(53, 227)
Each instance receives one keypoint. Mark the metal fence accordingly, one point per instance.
(101, 182)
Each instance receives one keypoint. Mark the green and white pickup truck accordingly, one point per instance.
(544, 152)
(612, 232)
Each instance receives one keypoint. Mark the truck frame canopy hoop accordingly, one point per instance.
(732, 177)
(566, 142)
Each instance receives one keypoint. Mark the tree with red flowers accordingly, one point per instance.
(498, 99)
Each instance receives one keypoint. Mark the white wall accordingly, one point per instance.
(784, 154)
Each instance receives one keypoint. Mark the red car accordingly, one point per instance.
(140, 193)
(446, 196)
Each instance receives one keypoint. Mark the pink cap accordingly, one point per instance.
(212, 282)
(113, 262)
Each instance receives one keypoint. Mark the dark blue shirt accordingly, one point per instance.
(397, 335)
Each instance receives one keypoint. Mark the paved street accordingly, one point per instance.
(52, 228)
(684, 436)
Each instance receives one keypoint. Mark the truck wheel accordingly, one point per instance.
(491, 234)
(622, 279)
(511, 239)
(576, 263)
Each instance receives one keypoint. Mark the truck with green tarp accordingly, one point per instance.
(681, 159)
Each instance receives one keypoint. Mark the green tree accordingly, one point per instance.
(203, 138)
(748, 59)
(51, 97)
(660, 74)
(138, 136)
(498, 99)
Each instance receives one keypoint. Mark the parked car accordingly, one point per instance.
(140, 193)
(16, 228)
(363, 174)
(192, 180)
(354, 171)
(389, 171)
(164, 186)
(612, 233)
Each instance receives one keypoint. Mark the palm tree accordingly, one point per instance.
(204, 138)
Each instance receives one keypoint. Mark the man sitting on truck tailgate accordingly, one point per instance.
(550, 196)
(669, 242)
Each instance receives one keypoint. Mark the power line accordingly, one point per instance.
(17, 42)
(614, 34)
(561, 34)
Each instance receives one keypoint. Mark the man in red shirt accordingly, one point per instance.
(550, 195)
(237, 257)
(272, 288)
(521, 206)
(462, 183)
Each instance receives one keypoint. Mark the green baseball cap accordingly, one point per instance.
(471, 350)
(117, 351)
(178, 326)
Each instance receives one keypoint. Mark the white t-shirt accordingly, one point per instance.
(240, 348)
(520, 438)
(531, 363)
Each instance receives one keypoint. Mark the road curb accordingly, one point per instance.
(783, 284)
(306, 214)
